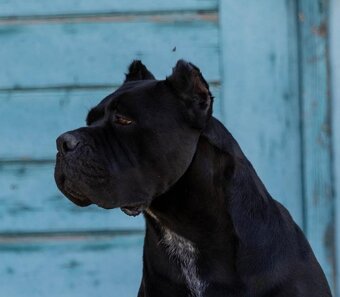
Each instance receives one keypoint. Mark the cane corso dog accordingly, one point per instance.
(212, 229)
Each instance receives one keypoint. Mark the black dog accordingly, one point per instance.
(212, 229)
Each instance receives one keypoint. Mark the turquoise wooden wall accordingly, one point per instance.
(273, 68)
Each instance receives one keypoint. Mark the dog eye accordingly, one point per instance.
(121, 120)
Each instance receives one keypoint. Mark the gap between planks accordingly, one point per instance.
(213, 83)
(20, 237)
(156, 16)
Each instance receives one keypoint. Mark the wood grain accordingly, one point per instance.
(261, 94)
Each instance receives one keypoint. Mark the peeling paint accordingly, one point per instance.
(301, 17)
(320, 30)
(72, 264)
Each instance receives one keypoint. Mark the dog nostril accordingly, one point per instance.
(66, 143)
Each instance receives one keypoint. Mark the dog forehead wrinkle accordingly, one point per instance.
(126, 90)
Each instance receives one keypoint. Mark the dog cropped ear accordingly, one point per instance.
(189, 84)
(138, 71)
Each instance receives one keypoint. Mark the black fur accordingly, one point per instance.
(173, 161)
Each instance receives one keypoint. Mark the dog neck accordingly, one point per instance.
(190, 226)
(196, 207)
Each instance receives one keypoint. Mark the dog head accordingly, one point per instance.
(138, 141)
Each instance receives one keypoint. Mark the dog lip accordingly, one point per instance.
(134, 210)
(77, 198)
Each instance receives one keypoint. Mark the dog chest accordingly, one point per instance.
(184, 254)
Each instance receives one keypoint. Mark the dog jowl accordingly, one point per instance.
(212, 229)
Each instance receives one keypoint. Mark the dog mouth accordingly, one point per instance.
(80, 199)
(68, 190)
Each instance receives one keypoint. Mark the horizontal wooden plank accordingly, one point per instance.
(34, 119)
(40, 7)
(43, 116)
(261, 93)
(57, 54)
(95, 267)
(31, 202)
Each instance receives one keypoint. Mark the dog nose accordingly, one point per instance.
(67, 142)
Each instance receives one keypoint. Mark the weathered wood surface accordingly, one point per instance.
(261, 93)
(30, 121)
(97, 53)
(316, 132)
(15, 8)
(335, 75)
(30, 201)
(72, 267)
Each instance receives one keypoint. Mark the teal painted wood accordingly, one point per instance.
(45, 114)
(315, 95)
(260, 91)
(62, 7)
(40, 55)
(335, 67)
(30, 201)
(84, 268)
(335, 76)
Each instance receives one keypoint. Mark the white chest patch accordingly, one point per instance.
(184, 253)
